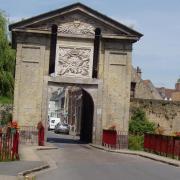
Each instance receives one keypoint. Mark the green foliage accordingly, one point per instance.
(139, 124)
(136, 142)
(7, 60)
(5, 100)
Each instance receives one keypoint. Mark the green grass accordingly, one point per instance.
(5, 100)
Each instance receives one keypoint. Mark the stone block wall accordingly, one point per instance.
(115, 71)
(32, 60)
(164, 113)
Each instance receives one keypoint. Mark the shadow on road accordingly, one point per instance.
(64, 140)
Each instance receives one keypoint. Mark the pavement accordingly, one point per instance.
(155, 157)
(29, 162)
(33, 161)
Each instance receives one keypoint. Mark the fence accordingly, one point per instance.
(9, 143)
(28, 135)
(115, 139)
(168, 146)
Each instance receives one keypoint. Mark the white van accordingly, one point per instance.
(53, 121)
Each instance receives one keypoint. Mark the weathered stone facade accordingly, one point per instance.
(74, 63)
(164, 113)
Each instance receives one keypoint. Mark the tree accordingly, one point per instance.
(7, 60)
(139, 123)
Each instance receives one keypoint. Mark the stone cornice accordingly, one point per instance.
(45, 32)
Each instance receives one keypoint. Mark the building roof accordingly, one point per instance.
(165, 92)
(75, 7)
(146, 82)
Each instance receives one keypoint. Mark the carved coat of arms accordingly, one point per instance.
(74, 62)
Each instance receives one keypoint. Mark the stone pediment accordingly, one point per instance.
(76, 23)
(76, 19)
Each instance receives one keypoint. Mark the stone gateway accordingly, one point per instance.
(74, 45)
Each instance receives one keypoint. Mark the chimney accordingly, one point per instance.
(138, 71)
(177, 86)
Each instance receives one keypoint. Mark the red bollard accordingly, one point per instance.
(15, 146)
(13, 134)
(40, 128)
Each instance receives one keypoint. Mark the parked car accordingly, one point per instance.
(53, 121)
(62, 128)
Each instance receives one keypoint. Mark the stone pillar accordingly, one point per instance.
(116, 90)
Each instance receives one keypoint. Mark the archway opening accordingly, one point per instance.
(70, 114)
(87, 117)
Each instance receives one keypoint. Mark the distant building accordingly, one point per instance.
(56, 104)
(142, 89)
(170, 94)
(73, 108)
(52, 109)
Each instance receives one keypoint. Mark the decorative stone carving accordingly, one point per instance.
(76, 23)
(74, 62)
(76, 27)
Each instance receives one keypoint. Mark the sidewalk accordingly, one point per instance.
(29, 162)
(142, 154)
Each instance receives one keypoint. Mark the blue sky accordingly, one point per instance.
(157, 53)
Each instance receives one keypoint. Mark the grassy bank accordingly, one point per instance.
(5, 100)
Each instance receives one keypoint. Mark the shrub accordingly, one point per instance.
(139, 123)
(136, 142)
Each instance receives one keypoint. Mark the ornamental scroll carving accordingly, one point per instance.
(77, 23)
(74, 62)
(76, 27)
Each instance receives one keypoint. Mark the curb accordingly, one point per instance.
(139, 153)
(28, 174)
(23, 174)
(46, 148)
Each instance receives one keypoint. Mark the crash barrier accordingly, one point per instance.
(115, 139)
(168, 146)
(9, 143)
(28, 135)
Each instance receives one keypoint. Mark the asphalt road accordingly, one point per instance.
(76, 161)
(12, 168)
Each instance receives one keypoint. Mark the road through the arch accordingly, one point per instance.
(76, 161)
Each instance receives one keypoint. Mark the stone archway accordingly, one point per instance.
(98, 62)
(87, 118)
(88, 129)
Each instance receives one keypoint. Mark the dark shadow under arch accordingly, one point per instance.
(87, 118)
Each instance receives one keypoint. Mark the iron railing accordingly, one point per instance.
(168, 146)
(115, 139)
(9, 143)
(28, 135)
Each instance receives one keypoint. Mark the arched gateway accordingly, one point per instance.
(74, 45)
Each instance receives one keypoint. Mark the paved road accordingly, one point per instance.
(12, 168)
(76, 161)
